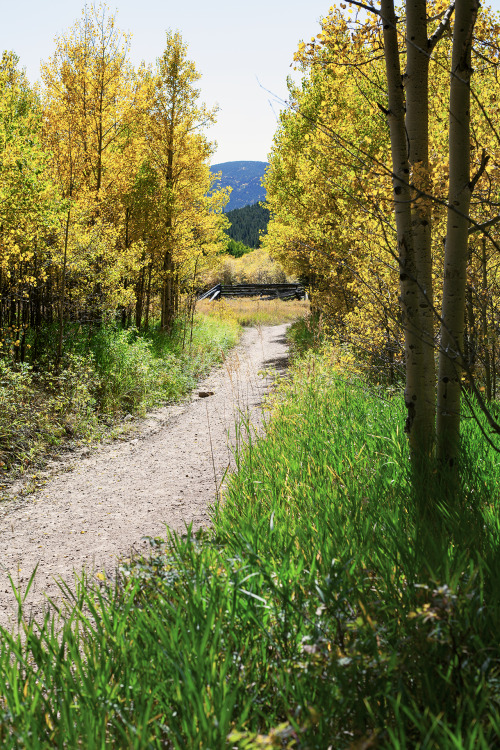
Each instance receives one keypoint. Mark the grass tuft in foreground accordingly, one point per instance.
(307, 618)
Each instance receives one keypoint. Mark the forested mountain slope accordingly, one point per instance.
(244, 177)
(247, 223)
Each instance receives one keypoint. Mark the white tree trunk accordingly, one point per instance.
(409, 146)
(455, 261)
(417, 129)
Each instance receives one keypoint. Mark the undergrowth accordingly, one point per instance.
(105, 373)
(307, 616)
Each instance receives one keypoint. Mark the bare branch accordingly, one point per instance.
(443, 26)
(369, 8)
(484, 225)
(484, 162)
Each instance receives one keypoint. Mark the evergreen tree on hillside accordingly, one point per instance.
(247, 224)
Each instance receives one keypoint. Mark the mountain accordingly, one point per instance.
(244, 177)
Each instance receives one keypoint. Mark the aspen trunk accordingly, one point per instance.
(63, 292)
(417, 128)
(139, 298)
(456, 249)
(470, 331)
(493, 369)
(148, 298)
(483, 311)
(414, 285)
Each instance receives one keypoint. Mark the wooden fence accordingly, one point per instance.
(264, 291)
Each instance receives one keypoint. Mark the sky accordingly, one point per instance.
(242, 49)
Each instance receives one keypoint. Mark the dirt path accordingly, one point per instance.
(102, 505)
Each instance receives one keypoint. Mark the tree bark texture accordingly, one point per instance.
(415, 282)
(416, 83)
(456, 248)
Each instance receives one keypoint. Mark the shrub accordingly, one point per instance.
(103, 373)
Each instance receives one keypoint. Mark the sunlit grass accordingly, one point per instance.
(306, 618)
(252, 311)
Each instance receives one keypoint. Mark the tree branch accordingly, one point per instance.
(369, 8)
(484, 161)
(484, 225)
(445, 22)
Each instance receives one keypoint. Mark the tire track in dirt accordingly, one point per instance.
(101, 506)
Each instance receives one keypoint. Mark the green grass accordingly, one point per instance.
(105, 373)
(306, 618)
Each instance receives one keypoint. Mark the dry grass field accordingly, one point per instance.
(251, 311)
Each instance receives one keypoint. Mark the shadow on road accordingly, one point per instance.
(280, 364)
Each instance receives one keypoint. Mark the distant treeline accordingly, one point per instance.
(247, 224)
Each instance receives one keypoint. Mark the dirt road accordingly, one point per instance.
(101, 506)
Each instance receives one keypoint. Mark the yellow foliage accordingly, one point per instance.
(329, 184)
(105, 185)
(256, 267)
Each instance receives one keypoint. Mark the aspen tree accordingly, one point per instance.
(29, 207)
(93, 95)
(457, 236)
(409, 136)
(92, 99)
(380, 63)
(408, 120)
(178, 152)
(105, 186)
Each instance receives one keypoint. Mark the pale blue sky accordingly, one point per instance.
(243, 50)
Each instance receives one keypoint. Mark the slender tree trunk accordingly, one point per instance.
(419, 390)
(168, 264)
(24, 326)
(456, 248)
(493, 367)
(63, 291)
(139, 298)
(12, 318)
(470, 331)
(148, 298)
(483, 311)
(423, 381)
(169, 293)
